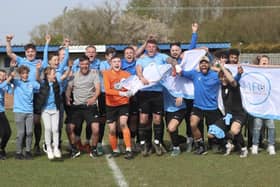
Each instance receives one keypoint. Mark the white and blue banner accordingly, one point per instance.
(180, 86)
(260, 90)
(152, 73)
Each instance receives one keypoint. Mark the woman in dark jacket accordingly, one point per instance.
(48, 102)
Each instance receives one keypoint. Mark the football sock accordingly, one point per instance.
(158, 132)
(113, 142)
(174, 138)
(126, 135)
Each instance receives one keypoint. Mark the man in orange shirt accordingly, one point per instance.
(117, 106)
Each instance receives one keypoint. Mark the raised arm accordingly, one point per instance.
(228, 76)
(10, 77)
(9, 50)
(141, 49)
(46, 50)
(240, 70)
(75, 66)
(38, 72)
(194, 36)
(68, 71)
(63, 63)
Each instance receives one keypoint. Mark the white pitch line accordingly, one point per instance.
(116, 172)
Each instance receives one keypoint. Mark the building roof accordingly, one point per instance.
(118, 47)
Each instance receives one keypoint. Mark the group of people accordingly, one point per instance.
(89, 90)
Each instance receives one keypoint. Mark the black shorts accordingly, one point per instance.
(239, 118)
(178, 115)
(133, 105)
(114, 112)
(67, 109)
(221, 123)
(35, 100)
(102, 105)
(211, 116)
(81, 113)
(150, 102)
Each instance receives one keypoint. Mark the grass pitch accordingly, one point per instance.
(185, 170)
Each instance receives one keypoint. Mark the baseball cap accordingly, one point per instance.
(204, 58)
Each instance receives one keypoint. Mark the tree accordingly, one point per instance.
(250, 21)
(134, 29)
(105, 24)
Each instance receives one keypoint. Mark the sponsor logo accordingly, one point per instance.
(256, 87)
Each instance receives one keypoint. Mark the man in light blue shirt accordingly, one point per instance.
(151, 100)
(91, 54)
(176, 52)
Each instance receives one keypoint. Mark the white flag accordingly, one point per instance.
(153, 73)
(260, 90)
(180, 86)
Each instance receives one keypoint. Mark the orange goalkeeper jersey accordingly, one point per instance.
(112, 95)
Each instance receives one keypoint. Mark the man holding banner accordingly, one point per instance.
(268, 122)
(206, 86)
(234, 114)
(151, 99)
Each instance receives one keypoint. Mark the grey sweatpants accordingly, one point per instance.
(24, 123)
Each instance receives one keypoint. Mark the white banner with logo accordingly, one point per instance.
(260, 90)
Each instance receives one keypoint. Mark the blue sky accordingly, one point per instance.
(19, 17)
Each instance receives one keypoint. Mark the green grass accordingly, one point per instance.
(185, 170)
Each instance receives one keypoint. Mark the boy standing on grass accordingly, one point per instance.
(23, 108)
(29, 61)
(5, 129)
(117, 106)
(104, 65)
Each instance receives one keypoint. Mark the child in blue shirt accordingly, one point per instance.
(5, 129)
(23, 108)
(49, 103)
